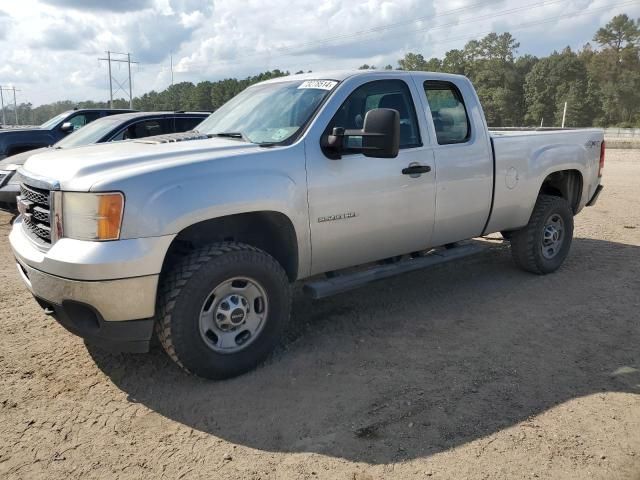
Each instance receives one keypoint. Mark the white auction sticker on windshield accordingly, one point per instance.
(319, 84)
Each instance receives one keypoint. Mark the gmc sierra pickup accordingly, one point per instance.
(199, 235)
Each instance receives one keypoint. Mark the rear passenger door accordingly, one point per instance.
(463, 160)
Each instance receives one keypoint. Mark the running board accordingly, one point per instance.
(326, 287)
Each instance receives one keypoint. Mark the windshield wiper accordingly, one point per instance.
(238, 135)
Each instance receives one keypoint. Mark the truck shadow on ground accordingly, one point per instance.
(421, 363)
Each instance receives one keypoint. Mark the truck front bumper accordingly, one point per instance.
(82, 307)
(104, 292)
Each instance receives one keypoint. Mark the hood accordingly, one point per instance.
(80, 168)
(19, 159)
(8, 131)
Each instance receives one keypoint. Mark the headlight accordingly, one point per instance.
(89, 216)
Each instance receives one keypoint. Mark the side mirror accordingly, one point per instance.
(380, 136)
(66, 127)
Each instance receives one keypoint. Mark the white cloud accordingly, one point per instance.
(49, 48)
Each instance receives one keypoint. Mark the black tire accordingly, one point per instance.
(527, 243)
(187, 286)
(507, 234)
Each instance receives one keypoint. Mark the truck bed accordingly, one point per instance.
(523, 159)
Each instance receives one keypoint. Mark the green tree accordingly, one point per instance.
(620, 33)
(616, 69)
(412, 61)
(490, 64)
(561, 77)
(416, 62)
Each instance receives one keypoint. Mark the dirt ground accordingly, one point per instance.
(471, 370)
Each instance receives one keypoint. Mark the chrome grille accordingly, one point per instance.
(33, 204)
(35, 195)
(40, 214)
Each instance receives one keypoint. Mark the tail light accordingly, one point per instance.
(602, 149)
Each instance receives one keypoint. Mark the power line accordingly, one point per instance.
(112, 79)
(389, 26)
(472, 36)
(330, 41)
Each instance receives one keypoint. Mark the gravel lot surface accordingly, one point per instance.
(471, 370)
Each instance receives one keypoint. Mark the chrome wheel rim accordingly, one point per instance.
(233, 315)
(552, 236)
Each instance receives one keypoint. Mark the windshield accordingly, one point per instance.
(52, 122)
(268, 113)
(91, 133)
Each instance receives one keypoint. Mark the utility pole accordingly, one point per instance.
(131, 89)
(110, 82)
(15, 105)
(4, 120)
(112, 79)
(564, 114)
(171, 60)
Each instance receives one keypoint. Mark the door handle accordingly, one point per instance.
(416, 169)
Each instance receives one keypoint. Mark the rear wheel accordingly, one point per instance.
(222, 309)
(542, 246)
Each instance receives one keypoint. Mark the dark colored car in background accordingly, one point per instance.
(18, 140)
(113, 128)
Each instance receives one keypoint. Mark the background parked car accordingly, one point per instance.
(18, 140)
(111, 128)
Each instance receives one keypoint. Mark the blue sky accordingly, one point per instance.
(49, 48)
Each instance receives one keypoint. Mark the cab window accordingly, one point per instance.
(393, 94)
(449, 114)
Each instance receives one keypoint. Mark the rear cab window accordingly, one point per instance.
(448, 112)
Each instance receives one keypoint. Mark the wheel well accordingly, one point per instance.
(270, 231)
(566, 184)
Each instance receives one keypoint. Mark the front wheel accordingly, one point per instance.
(542, 246)
(222, 309)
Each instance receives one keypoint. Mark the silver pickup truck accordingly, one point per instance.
(334, 178)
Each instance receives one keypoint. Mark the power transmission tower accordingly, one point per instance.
(15, 104)
(112, 79)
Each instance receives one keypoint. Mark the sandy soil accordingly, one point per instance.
(471, 370)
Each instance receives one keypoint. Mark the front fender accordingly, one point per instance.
(175, 204)
(173, 208)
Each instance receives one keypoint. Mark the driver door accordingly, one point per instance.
(363, 209)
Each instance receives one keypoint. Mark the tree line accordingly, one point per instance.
(600, 83)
